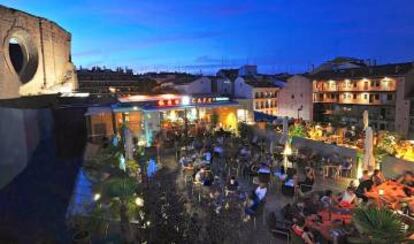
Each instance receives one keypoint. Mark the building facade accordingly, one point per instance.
(261, 91)
(383, 90)
(105, 81)
(295, 98)
(146, 116)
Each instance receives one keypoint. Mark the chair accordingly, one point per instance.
(279, 227)
(304, 190)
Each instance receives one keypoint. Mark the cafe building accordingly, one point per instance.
(146, 116)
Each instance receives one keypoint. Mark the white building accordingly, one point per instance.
(295, 98)
(260, 90)
(201, 85)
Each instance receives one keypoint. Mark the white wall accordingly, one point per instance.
(296, 93)
(198, 86)
(241, 89)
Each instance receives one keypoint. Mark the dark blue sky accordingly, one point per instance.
(194, 35)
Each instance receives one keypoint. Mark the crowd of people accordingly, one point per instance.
(230, 168)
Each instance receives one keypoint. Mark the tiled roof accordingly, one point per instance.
(396, 69)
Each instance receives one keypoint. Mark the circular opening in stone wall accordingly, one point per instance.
(16, 54)
(23, 55)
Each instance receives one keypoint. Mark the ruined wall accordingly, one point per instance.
(46, 50)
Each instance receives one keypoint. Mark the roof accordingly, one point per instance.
(183, 80)
(260, 81)
(397, 69)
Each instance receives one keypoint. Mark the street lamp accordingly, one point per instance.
(139, 202)
(96, 197)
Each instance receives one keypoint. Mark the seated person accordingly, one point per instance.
(264, 173)
(245, 152)
(303, 232)
(255, 199)
(307, 184)
(232, 185)
(289, 212)
(346, 167)
(328, 200)
(365, 176)
(407, 179)
(188, 170)
(377, 177)
(281, 174)
(260, 193)
(217, 199)
(207, 156)
(347, 198)
(312, 205)
(352, 185)
(184, 160)
(364, 187)
(289, 184)
(200, 176)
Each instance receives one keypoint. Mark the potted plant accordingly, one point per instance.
(379, 225)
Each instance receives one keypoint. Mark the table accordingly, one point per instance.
(327, 224)
(392, 193)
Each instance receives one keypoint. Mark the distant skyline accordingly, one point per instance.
(193, 36)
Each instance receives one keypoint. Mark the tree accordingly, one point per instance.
(297, 130)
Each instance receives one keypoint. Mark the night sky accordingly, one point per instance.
(195, 35)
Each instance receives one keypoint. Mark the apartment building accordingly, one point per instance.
(341, 95)
(120, 81)
(261, 90)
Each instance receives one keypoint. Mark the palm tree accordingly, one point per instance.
(380, 225)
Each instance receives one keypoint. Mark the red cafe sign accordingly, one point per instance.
(177, 102)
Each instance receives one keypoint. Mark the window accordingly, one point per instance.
(365, 96)
(355, 84)
(366, 85)
(389, 97)
(355, 96)
(293, 96)
(376, 96)
(257, 95)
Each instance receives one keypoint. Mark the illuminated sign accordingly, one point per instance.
(186, 101)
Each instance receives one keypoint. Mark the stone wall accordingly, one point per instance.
(20, 131)
(46, 48)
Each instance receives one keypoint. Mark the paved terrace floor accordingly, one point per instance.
(275, 200)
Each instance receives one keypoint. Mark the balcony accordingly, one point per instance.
(380, 85)
(325, 100)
